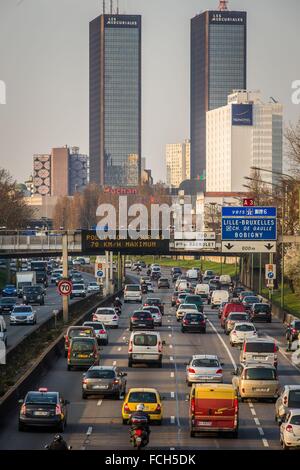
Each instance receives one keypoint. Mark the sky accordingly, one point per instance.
(44, 62)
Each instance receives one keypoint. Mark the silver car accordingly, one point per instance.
(104, 380)
(288, 398)
(93, 287)
(22, 314)
(100, 331)
(204, 368)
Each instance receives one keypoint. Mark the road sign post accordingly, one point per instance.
(65, 298)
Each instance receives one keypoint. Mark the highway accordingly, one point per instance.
(52, 302)
(96, 423)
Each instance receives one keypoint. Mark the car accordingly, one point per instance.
(142, 264)
(104, 380)
(261, 312)
(154, 301)
(144, 279)
(176, 270)
(194, 299)
(205, 280)
(9, 290)
(82, 331)
(83, 352)
(155, 312)
(7, 304)
(219, 296)
(231, 307)
(181, 298)
(248, 301)
(185, 308)
(193, 322)
(34, 295)
(245, 293)
(78, 290)
(22, 314)
(163, 282)
(93, 287)
(77, 278)
(214, 284)
(289, 398)
(221, 308)
(55, 277)
(240, 332)
(175, 277)
(145, 347)
(182, 285)
(256, 381)
(106, 315)
(236, 292)
(202, 290)
(43, 408)
(136, 266)
(292, 330)
(150, 287)
(174, 297)
(132, 292)
(100, 331)
(260, 351)
(209, 273)
(128, 264)
(233, 318)
(141, 319)
(214, 408)
(204, 368)
(151, 400)
(290, 430)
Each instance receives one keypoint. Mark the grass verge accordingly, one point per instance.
(291, 300)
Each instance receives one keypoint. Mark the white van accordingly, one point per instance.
(192, 274)
(182, 285)
(145, 347)
(219, 296)
(202, 290)
(225, 279)
(132, 292)
(259, 351)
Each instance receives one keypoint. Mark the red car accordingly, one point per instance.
(231, 307)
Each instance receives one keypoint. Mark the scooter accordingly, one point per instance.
(139, 435)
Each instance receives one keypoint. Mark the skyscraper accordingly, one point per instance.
(218, 66)
(115, 100)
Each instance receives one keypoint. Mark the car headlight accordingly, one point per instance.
(38, 296)
(30, 317)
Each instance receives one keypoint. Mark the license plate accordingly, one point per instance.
(204, 423)
(41, 413)
(259, 357)
(82, 356)
(100, 387)
(204, 377)
(261, 390)
(194, 323)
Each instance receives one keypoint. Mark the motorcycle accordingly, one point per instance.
(144, 289)
(139, 435)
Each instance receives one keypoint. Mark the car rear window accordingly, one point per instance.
(152, 309)
(194, 317)
(7, 300)
(262, 308)
(35, 290)
(95, 325)
(294, 399)
(41, 398)
(142, 397)
(22, 309)
(237, 316)
(153, 301)
(82, 345)
(104, 311)
(244, 327)
(260, 347)
(205, 362)
(297, 325)
(80, 332)
(78, 286)
(260, 374)
(295, 420)
(145, 340)
(100, 374)
(188, 306)
(133, 288)
(142, 315)
(251, 300)
(193, 298)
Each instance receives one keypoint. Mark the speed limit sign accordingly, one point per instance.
(64, 287)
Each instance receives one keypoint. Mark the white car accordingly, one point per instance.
(150, 287)
(106, 315)
(290, 430)
(241, 332)
(155, 313)
(100, 331)
(185, 308)
(204, 368)
(93, 287)
(132, 292)
(78, 290)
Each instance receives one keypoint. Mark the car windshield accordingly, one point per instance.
(41, 398)
(295, 420)
(32, 290)
(294, 399)
(94, 324)
(188, 307)
(244, 328)
(144, 339)
(205, 362)
(100, 374)
(22, 309)
(194, 317)
(10, 286)
(262, 308)
(142, 397)
(7, 300)
(82, 345)
(133, 288)
(153, 301)
(260, 347)
(83, 332)
(105, 311)
(78, 286)
(260, 374)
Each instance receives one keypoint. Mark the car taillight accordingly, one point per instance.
(186, 322)
(219, 371)
(191, 370)
(102, 332)
(294, 331)
(58, 410)
(69, 353)
(289, 428)
(116, 381)
(67, 340)
(23, 410)
(126, 407)
(275, 347)
(193, 405)
(134, 318)
(94, 317)
(158, 407)
(138, 432)
(130, 346)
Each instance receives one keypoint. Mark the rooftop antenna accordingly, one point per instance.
(223, 5)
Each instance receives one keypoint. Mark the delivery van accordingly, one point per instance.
(202, 290)
(219, 296)
(259, 351)
(214, 408)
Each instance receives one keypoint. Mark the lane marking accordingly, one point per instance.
(172, 419)
(169, 326)
(261, 432)
(172, 375)
(253, 411)
(265, 443)
(171, 358)
(119, 349)
(114, 363)
(256, 420)
(172, 394)
(89, 431)
(99, 403)
(171, 346)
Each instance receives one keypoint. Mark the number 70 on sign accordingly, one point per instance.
(64, 287)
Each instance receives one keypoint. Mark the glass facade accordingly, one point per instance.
(218, 66)
(119, 126)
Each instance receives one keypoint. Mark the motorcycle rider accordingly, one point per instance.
(140, 414)
(58, 443)
(117, 303)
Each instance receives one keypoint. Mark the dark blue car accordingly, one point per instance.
(9, 291)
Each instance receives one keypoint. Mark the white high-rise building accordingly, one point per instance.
(178, 157)
(246, 132)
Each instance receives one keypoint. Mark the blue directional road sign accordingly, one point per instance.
(100, 273)
(249, 223)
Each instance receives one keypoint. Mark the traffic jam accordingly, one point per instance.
(184, 359)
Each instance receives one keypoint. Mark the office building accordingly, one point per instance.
(78, 171)
(115, 100)
(42, 174)
(177, 163)
(218, 66)
(246, 132)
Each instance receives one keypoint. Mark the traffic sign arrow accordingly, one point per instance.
(228, 246)
(269, 246)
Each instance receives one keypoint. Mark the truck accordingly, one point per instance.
(25, 278)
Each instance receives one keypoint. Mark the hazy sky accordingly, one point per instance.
(44, 60)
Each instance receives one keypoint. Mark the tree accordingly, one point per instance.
(14, 212)
(292, 267)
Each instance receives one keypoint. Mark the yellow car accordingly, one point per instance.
(150, 398)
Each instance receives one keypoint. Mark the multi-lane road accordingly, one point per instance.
(96, 423)
(16, 333)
